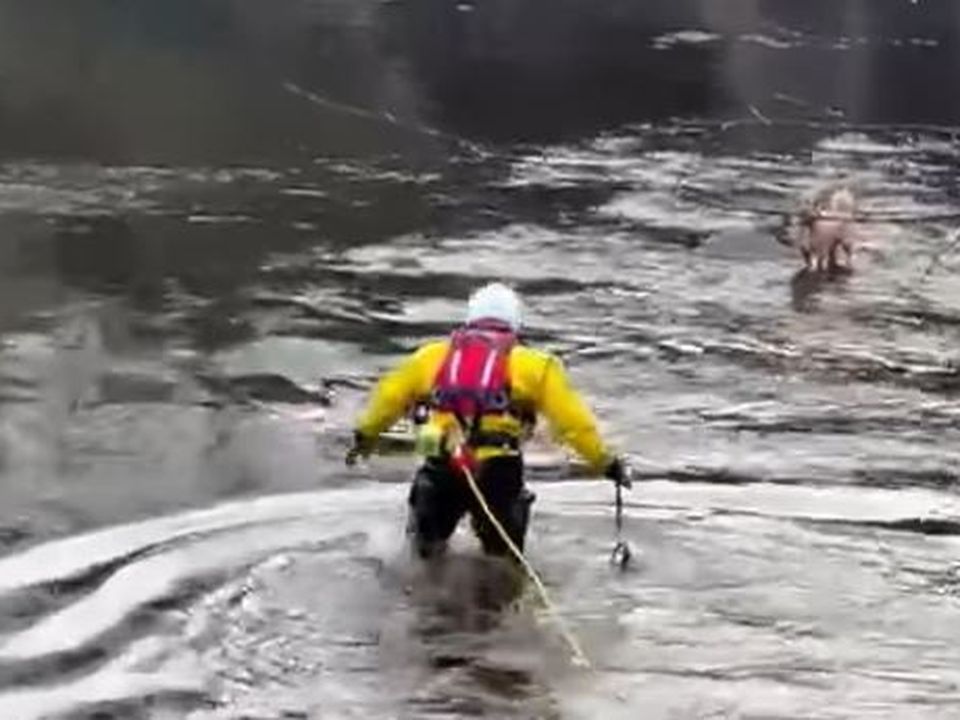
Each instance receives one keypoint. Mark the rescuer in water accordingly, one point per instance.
(474, 398)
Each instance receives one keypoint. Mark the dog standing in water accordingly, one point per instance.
(825, 227)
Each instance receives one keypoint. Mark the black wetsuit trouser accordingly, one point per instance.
(439, 498)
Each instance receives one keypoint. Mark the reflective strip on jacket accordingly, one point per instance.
(538, 382)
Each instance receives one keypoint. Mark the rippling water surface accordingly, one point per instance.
(197, 290)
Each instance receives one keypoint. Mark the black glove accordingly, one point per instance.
(617, 472)
(362, 446)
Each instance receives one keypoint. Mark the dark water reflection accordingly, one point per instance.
(205, 81)
(219, 219)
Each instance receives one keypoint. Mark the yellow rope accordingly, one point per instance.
(579, 657)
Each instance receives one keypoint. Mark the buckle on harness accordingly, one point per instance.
(502, 440)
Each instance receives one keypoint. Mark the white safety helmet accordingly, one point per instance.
(495, 302)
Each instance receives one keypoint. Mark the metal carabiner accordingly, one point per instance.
(620, 556)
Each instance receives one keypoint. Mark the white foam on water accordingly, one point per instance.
(119, 681)
(834, 503)
(72, 557)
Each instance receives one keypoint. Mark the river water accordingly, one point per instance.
(220, 219)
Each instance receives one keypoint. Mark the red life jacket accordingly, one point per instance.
(474, 378)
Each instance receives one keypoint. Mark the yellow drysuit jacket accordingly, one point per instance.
(538, 383)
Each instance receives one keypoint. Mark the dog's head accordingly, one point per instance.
(835, 199)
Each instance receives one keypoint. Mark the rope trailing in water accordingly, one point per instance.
(579, 657)
(380, 117)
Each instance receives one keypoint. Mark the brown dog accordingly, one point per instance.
(824, 227)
